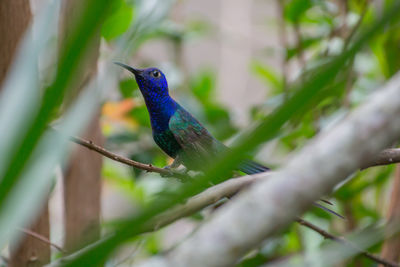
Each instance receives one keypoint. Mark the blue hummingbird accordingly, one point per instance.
(175, 130)
(178, 133)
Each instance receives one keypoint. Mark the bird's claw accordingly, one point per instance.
(169, 172)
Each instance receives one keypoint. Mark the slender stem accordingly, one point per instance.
(142, 166)
(299, 45)
(41, 238)
(345, 242)
(284, 45)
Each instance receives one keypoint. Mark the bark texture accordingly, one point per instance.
(391, 247)
(15, 17)
(82, 193)
(31, 251)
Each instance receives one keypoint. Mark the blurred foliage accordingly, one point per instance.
(118, 21)
(29, 151)
(326, 29)
(331, 82)
(216, 116)
(337, 74)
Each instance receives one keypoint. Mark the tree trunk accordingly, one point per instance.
(391, 247)
(82, 192)
(15, 16)
(31, 251)
(82, 176)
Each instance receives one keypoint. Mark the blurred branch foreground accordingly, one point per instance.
(325, 74)
(226, 190)
(270, 205)
(214, 194)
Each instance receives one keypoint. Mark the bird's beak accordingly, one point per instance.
(134, 71)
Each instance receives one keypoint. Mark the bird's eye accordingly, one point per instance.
(155, 73)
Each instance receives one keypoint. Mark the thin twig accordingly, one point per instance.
(345, 242)
(351, 78)
(131, 255)
(299, 46)
(352, 75)
(41, 238)
(146, 167)
(356, 27)
(284, 44)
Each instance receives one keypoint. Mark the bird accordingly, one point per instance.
(177, 132)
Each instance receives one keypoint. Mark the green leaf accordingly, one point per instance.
(392, 51)
(268, 74)
(305, 44)
(203, 85)
(118, 21)
(127, 87)
(141, 114)
(219, 118)
(294, 9)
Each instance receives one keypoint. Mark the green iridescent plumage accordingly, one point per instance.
(198, 147)
(166, 141)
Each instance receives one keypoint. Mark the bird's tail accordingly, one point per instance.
(251, 167)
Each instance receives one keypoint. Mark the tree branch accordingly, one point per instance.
(229, 189)
(212, 195)
(225, 189)
(206, 198)
(270, 205)
(385, 157)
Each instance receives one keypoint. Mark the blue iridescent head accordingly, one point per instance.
(154, 87)
(151, 81)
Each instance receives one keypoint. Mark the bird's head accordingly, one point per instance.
(151, 81)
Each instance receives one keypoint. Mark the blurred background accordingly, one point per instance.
(230, 63)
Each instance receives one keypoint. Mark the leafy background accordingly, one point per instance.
(325, 28)
(231, 71)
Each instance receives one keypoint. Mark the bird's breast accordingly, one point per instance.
(167, 142)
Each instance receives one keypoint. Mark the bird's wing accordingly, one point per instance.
(198, 146)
